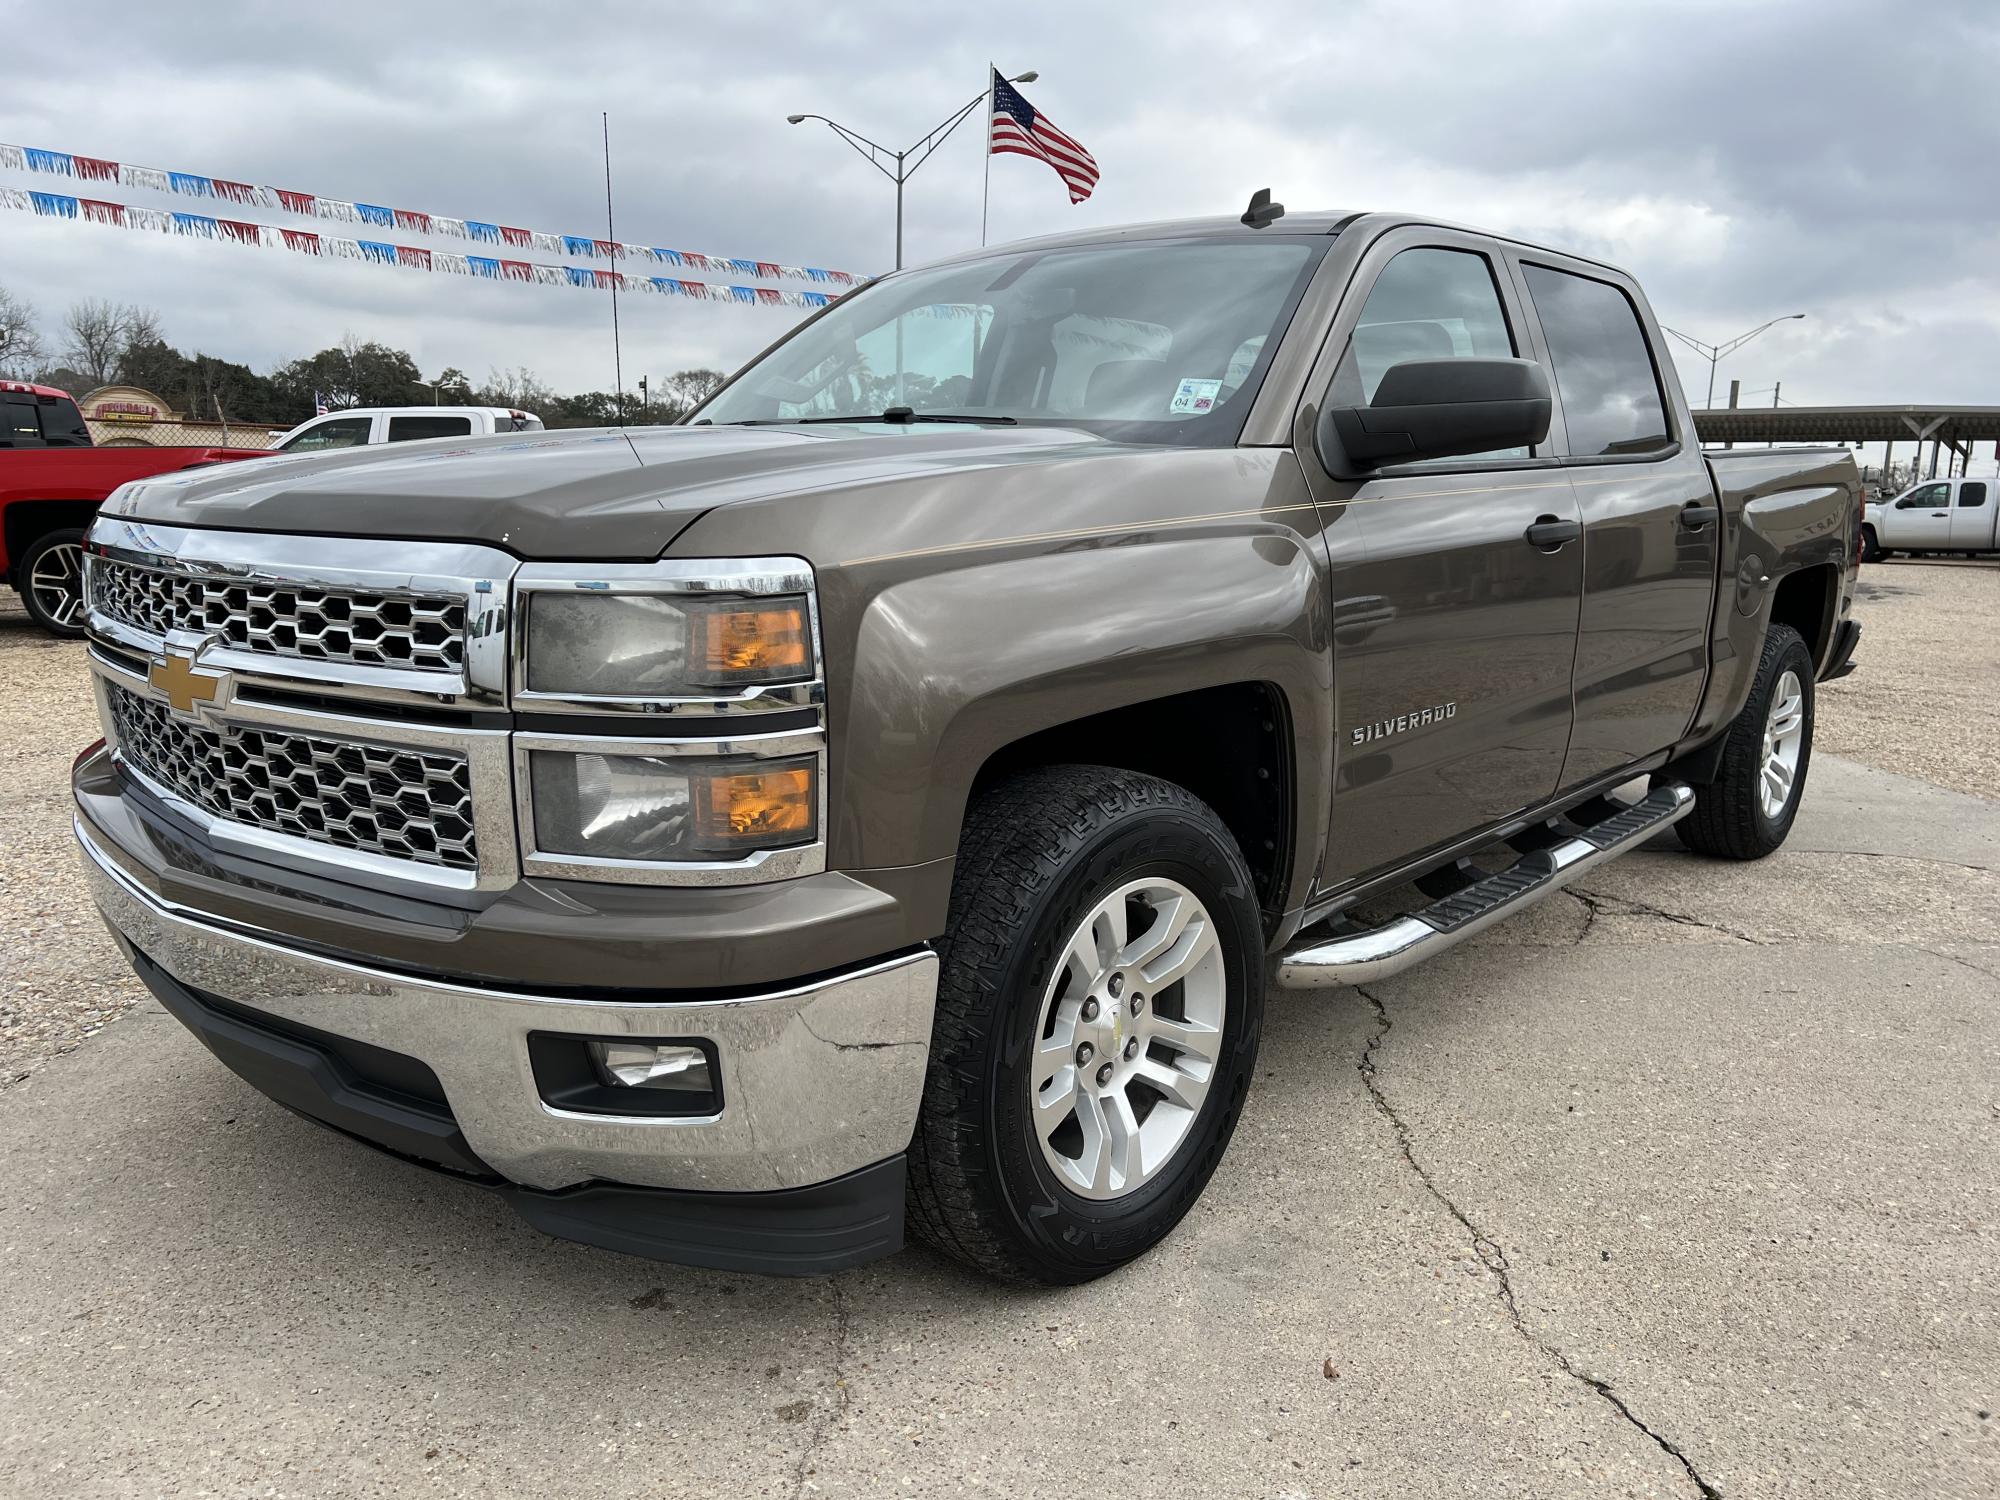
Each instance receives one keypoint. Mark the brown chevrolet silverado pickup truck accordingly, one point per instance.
(886, 799)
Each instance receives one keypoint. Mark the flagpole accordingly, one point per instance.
(986, 183)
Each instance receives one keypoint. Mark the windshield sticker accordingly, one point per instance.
(1194, 396)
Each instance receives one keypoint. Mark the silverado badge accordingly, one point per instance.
(184, 685)
(1380, 730)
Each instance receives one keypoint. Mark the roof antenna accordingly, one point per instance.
(1262, 211)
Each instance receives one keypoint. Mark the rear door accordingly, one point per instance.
(1919, 518)
(1649, 518)
(1453, 633)
(1972, 514)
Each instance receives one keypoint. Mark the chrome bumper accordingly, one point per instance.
(817, 1081)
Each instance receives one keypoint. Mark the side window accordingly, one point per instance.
(341, 432)
(1930, 497)
(62, 424)
(1603, 371)
(19, 427)
(1426, 304)
(415, 429)
(1972, 493)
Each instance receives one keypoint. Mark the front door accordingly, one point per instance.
(1453, 631)
(1972, 516)
(1649, 525)
(1919, 519)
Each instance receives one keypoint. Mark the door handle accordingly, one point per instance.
(1550, 532)
(1695, 515)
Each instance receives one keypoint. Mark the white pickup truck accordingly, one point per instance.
(361, 426)
(1937, 515)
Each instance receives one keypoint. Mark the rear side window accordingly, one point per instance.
(416, 429)
(19, 426)
(1972, 494)
(1603, 371)
(342, 432)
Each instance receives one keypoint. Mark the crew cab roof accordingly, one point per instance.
(29, 388)
(1326, 221)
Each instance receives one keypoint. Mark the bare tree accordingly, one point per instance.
(96, 334)
(516, 387)
(22, 353)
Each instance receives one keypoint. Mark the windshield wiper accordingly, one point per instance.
(899, 415)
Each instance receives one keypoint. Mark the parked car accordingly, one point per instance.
(886, 798)
(1936, 515)
(52, 480)
(364, 425)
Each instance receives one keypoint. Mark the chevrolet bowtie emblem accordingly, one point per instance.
(184, 684)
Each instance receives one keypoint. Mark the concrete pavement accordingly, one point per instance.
(1682, 1184)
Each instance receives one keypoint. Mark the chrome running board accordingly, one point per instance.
(1378, 952)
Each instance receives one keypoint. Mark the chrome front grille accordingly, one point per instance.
(424, 632)
(401, 803)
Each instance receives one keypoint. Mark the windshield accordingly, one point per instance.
(1153, 342)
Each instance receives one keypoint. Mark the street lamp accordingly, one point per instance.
(447, 385)
(1713, 353)
(879, 155)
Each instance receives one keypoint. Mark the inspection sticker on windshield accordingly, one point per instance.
(1195, 396)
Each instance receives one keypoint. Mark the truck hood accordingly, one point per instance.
(602, 494)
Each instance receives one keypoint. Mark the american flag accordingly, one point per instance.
(1020, 130)
(319, 403)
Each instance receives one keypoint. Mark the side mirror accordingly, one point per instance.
(1439, 408)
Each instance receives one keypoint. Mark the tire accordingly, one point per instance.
(51, 580)
(1871, 549)
(1042, 853)
(1732, 818)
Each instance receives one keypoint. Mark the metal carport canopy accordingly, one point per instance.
(1952, 425)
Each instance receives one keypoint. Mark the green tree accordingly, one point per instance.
(353, 373)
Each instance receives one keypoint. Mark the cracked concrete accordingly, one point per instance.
(1493, 1255)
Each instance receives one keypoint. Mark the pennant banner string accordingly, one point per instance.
(312, 205)
(385, 253)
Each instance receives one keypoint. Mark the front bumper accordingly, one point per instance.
(818, 1080)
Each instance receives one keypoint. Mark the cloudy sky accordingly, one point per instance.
(1836, 157)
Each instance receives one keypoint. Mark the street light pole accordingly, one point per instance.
(911, 157)
(1714, 353)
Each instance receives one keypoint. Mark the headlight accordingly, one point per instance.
(671, 808)
(583, 644)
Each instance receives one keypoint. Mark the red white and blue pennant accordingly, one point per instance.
(385, 253)
(409, 221)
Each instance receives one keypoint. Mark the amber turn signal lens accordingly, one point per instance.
(761, 807)
(749, 643)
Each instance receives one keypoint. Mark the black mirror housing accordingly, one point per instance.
(1439, 408)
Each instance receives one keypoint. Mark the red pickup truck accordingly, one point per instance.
(51, 482)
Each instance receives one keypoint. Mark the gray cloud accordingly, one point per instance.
(1831, 156)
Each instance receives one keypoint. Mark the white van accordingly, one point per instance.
(401, 424)
(1936, 515)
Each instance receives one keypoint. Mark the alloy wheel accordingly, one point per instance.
(1784, 736)
(1130, 1034)
(56, 584)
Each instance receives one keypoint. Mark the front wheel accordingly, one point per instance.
(52, 582)
(1747, 811)
(1871, 548)
(1099, 1003)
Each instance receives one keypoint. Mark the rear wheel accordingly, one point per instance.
(1100, 996)
(1747, 811)
(52, 582)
